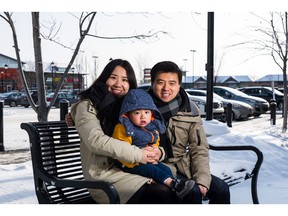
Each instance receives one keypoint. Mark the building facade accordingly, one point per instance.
(10, 79)
(200, 82)
(9, 76)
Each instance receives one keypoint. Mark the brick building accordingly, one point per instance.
(10, 79)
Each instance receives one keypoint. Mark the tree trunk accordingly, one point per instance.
(284, 127)
(42, 110)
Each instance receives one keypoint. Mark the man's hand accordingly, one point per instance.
(203, 190)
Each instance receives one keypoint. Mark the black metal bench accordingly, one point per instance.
(58, 176)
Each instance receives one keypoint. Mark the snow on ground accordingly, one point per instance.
(16, 177)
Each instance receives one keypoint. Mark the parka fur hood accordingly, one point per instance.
(137, 99)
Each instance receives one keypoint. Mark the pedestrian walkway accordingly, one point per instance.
(14, 156)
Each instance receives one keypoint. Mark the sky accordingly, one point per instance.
(185, 31)
(16, 179)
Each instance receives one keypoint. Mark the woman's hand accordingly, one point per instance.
(155, 150)
(154, 154)
(69, 121)
(149, 155)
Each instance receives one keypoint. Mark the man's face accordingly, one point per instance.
(166, 86)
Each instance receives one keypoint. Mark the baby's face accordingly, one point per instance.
(140, 118)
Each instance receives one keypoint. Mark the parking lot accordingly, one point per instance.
(14, 116)
(14, 136)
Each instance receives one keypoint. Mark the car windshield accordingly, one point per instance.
(275, 91)
(218, 97)
(236, 92)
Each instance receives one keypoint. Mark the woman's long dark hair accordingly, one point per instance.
(108, 105)
(106, 74)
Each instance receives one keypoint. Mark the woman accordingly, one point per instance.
(95, 117)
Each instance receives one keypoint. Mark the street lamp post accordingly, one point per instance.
(52, 64)
(2, 79)
(79, 84)
(185, 72)
(6, 68)
(193, 51)
(95, 65)
(73, 70)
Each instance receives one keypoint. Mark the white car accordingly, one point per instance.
(144, 86)
(218, 108)
(240, 110)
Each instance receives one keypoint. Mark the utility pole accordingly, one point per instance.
(210, 66)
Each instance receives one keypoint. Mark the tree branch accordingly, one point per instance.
(139, 37)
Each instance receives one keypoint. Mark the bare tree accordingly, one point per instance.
(273, 42)
(279, 54)
(85, 23)
(141, 61)
(218, 66)
(277, 44)
(41, 108)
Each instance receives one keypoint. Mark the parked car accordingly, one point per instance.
(24, 100)
(218, 109)
(240, 110)
(266, 93)
(144, 86)
(71, 98)
(12, 99)
(281, 90)
(259, 105)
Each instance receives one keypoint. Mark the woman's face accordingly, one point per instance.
(118, 83)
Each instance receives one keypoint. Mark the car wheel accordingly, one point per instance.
(13, 104)
(223, 117)
(26, 106)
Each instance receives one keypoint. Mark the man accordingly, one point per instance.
(185, 143)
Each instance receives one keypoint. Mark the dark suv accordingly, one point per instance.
(24, 100)
(258, 104)
(12, 99)
(265, 93)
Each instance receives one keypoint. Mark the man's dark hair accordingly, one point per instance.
(165, 67)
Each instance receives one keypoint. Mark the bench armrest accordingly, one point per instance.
(107, 187)
(255, 171)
